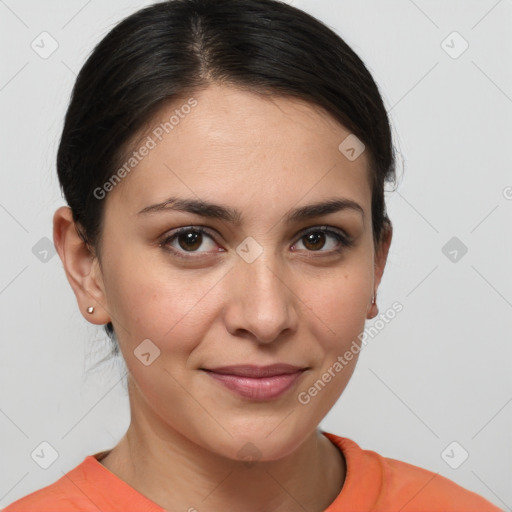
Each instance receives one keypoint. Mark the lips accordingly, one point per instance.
(257, 383)
(256, 372)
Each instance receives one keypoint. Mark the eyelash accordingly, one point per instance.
(344, 240)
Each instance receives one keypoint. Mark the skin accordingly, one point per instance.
(293, 304)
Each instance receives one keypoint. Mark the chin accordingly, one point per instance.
(260, 441)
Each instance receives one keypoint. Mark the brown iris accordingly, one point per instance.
(315, 240)
(192, 240)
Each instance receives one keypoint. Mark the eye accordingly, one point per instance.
(188, 239)
(317, 238)
(321, 239)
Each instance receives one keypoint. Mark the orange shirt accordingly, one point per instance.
(372, 483)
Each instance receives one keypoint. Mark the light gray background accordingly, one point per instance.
(438, 373)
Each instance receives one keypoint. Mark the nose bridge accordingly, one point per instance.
(261, 302)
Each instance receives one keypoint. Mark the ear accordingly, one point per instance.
(381, 256)
(81, 267)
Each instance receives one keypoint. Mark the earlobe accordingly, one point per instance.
(373, 309)
(81, 267)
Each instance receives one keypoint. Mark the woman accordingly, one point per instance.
(224, 164)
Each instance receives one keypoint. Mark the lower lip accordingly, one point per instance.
(257, 389)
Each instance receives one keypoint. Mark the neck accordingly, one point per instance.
(177, 474)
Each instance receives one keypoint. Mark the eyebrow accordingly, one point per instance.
(215, 211)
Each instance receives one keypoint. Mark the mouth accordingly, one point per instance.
(257, 383)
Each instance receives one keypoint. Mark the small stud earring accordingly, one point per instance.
(90, 309)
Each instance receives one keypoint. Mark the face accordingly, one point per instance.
(246, 282)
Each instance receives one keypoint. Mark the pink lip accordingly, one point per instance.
(257, 383)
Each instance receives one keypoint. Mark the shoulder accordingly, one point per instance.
(382, 483)
(420, 488)
(64, 495)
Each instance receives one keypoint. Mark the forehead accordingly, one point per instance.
(243, 149)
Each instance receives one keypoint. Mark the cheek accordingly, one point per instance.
(339, 308)
(157, 302)
(338, 304)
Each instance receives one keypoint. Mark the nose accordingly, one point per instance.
(261, 301)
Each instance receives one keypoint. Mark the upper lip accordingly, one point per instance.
(249, 370)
